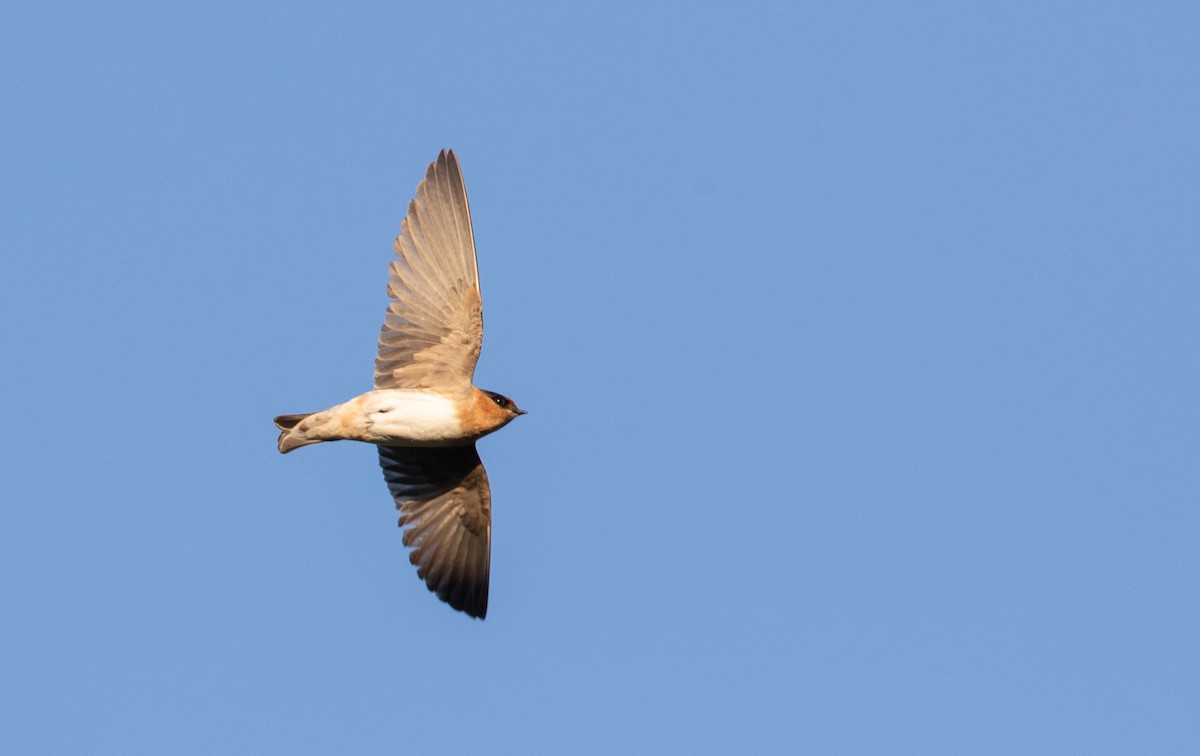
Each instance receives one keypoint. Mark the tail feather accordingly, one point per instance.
(289, 440)
(287, 422)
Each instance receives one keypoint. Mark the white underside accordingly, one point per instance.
(390, 416)
(407, 415)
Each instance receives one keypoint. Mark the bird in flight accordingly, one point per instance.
(425, 414)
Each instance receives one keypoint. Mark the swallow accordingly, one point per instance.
(425, 414)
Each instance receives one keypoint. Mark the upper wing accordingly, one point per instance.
(444, 499)
(434, 325)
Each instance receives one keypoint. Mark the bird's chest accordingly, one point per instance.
(412, 417)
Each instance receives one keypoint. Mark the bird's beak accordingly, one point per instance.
(520, 411)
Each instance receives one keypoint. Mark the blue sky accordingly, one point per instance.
(859, 343)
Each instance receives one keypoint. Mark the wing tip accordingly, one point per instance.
(446, 161)
(447, 166)
(471, 605)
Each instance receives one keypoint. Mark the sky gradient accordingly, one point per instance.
(859, 343)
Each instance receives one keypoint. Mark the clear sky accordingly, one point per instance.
(859, 343)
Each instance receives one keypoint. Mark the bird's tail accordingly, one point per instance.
(290, 436)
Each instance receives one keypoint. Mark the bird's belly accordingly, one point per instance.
(404, 417)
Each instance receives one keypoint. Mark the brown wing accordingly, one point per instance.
(434, 325)
(445, 503)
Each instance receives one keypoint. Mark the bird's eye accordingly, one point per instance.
(498, 400)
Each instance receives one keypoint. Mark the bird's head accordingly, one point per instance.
(504, 403)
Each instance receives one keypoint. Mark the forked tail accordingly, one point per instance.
(291, 437)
